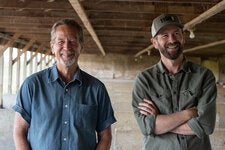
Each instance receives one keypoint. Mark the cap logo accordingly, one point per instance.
(167, 18)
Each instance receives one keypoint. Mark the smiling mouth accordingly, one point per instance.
(67, 53)
(172, 46)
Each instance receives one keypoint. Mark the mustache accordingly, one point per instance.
(70, 52)
(174, 44)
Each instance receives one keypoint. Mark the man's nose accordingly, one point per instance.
(172, 38)
(67, 45)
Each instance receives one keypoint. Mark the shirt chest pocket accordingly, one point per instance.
(189, 98)
(162, 99)
(85, 116)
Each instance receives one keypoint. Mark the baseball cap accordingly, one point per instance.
(164, 20)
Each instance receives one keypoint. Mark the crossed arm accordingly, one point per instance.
(175, 122)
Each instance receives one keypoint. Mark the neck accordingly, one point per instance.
(67, 73)
(172, 66)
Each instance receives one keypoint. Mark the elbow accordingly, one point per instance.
(209, 130)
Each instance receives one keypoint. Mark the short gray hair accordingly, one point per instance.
(69, 22)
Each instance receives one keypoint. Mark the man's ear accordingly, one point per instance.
(51, 46)
(154, 43)
(81, 47)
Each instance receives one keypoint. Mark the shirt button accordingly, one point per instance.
(66, 90)
(64, 139)
(66, 106)
(65, 122)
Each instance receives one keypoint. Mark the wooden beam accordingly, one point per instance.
(27, 46)
(40, 48)
(35, 4)
(144, 50)
(52, 57)
(207, 14)
(204, 46)
(42, 58)
(81, 13)
(10, 72)
(10, 43)
(1, 81)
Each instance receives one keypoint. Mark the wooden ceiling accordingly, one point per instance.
(112, 26)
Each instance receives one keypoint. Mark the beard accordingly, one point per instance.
(66, 57)
(171, 55)
(67, 63)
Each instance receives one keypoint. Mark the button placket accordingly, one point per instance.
(65, 118)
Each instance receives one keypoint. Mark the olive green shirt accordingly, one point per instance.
(192, 85)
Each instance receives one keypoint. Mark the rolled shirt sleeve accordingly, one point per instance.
(146, 123)
(205, 122)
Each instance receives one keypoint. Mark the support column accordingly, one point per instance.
(9, 89)
(25, 66)
(18, 74)
(1, 79)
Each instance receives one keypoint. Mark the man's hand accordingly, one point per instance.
(192, 112)
(147, 107)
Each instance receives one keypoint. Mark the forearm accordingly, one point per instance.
(103, 145)
(183, 129)
(168, 123)
(104, 139)
(21, 142)
(20, 133)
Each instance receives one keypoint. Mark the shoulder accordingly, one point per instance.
(200, 71)
(197, 68)
(89, 79)
(39, 76)
(149, 72)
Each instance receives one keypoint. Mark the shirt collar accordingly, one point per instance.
(53, 75)
(185, 67)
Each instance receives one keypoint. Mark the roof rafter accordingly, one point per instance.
(81, 13)
(204, 46)
(26, 47)
(10, 43)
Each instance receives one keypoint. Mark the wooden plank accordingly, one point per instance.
(18, 74)
(1, 81)
(10, 43)
(10, 71)
(147, 49)
(204, 16)
(42, 58)
(40, 48)
(204, 46)
(27, 46)
(50, 60)
(37, 4)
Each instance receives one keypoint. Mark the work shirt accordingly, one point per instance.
(64, 116)
(193, 85)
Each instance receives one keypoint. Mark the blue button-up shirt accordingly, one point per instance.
(64, 116)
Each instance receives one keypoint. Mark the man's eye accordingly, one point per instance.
(73, 41)
(60, 42)
(164, 35)
(177, 33)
